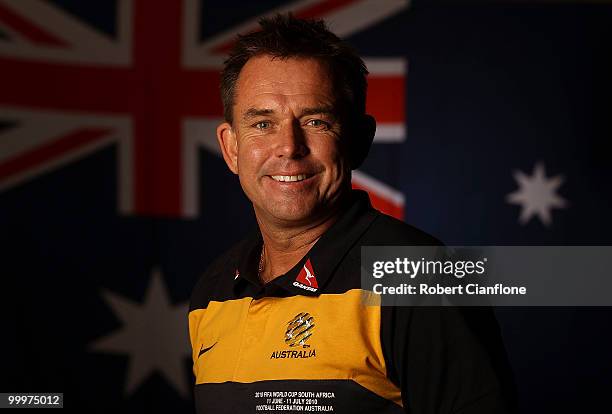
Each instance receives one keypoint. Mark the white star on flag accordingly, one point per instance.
(154, 335)
(537, 195)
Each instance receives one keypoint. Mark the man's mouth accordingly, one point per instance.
(290, 178)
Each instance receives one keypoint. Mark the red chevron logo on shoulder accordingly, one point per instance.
(307, 277)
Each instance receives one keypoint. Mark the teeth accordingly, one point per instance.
(289, 178)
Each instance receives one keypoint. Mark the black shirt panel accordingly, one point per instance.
(439, 363)
(349, 397)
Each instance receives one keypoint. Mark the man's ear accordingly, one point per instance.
(364, 135)
(229, 145)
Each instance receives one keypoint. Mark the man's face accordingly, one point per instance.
(285, 141)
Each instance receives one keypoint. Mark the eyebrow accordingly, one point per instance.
(254, 113)
(324, 109)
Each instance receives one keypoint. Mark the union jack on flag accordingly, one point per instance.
(151, 90)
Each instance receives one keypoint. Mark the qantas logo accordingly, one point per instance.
(309, 276)
(306, 278)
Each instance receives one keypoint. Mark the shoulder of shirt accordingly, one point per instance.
(207, 287)
(387, 230)
(381, 230)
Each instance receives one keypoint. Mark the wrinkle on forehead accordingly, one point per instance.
(285, 82)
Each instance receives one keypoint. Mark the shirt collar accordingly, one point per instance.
(311, 274)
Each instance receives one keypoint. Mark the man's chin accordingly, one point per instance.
(292, 212)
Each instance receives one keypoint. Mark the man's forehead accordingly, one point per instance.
(304, 68)
(264, 78)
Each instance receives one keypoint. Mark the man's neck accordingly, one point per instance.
(284, 246)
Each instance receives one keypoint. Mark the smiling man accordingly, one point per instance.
(285, 143)
(277, 323)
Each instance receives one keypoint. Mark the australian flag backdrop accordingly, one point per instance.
(493, 128)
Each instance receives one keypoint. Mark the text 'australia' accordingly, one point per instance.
(308, 353)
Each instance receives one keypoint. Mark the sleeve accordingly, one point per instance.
(446, 361)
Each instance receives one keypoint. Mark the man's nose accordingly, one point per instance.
(290, 142)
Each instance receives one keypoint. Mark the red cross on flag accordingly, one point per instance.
(152, 91)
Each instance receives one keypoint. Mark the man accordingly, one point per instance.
(277, 323)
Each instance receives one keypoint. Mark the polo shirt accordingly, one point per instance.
(306, 342)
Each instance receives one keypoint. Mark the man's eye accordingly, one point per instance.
(263, 125)
(317, 123)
